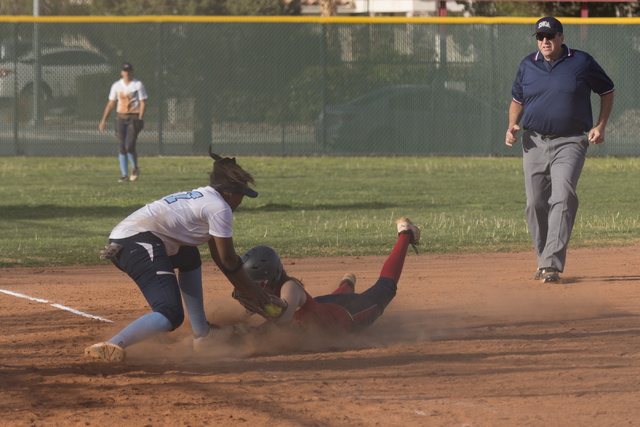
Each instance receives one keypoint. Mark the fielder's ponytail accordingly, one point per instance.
(227, 174)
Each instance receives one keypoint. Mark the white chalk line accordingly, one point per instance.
(62, 307)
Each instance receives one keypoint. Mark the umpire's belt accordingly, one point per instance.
(554, 135)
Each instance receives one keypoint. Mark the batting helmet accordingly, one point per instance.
(263, 265)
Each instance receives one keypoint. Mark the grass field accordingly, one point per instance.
(59, 211)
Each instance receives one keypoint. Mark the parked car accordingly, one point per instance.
(60, 66)
(9, 50)
(412, 119)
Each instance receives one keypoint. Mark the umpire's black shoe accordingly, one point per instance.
(538, 274)
(550, 275)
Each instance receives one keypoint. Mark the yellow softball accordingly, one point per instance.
(273, 310)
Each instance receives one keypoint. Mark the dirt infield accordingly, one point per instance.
(470, 340)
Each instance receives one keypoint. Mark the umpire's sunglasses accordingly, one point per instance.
(541, 36)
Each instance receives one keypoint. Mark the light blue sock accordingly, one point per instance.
(145, 327)
(124, 166)
(133, 158)
(191, 287)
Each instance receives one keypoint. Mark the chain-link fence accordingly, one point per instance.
(291, 86)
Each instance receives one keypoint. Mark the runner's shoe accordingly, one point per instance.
(124, 178)
(405, 226)
(135, 174)
(350, 279)
(105, 351)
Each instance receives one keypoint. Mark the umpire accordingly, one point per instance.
(551, 95)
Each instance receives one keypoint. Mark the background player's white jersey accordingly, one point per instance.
(188, 218)
(128, 96)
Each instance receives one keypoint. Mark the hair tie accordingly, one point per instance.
(216, 157)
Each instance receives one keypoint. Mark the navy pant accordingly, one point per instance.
(144, 259)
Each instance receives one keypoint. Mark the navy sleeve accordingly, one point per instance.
(597, 79)
(516, 89)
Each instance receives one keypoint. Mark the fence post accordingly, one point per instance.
(16, 141)
(159, 88)
(323, 85)
(36, 115)
(282, 136)
(492, 52)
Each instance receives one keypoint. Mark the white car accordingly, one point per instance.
(9, 50)
(60, 66)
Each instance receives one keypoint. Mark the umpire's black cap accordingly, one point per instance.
(549, 25)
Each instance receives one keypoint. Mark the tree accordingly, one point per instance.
(47, 7)
(152, 7)
(263, 7)
(157, 7)
(559, 9)
(328, 7)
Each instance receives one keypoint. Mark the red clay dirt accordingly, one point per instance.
(470, 340)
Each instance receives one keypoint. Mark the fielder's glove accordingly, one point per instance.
(110, 251)
(271, 312)
(138, 125)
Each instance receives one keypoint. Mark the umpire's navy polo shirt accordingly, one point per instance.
(557, 98)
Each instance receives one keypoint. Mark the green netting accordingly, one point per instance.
(291, 88)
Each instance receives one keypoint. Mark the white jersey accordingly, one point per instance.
(128, 96)
(188, 218)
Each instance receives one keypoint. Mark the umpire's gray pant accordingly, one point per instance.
(552, 168)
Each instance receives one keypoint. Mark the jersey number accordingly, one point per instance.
(188, 195)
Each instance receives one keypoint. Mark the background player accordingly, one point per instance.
(130, 96)
(343, 310)
(164, 235)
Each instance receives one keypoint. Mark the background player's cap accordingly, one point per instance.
(126, 67)
(549, 25)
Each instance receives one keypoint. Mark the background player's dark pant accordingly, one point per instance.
(366, 307)
(145, 260)
(126, 133)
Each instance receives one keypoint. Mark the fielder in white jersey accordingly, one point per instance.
(189, 218)
(163, 236)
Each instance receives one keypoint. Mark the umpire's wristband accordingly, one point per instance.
(235, 269)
